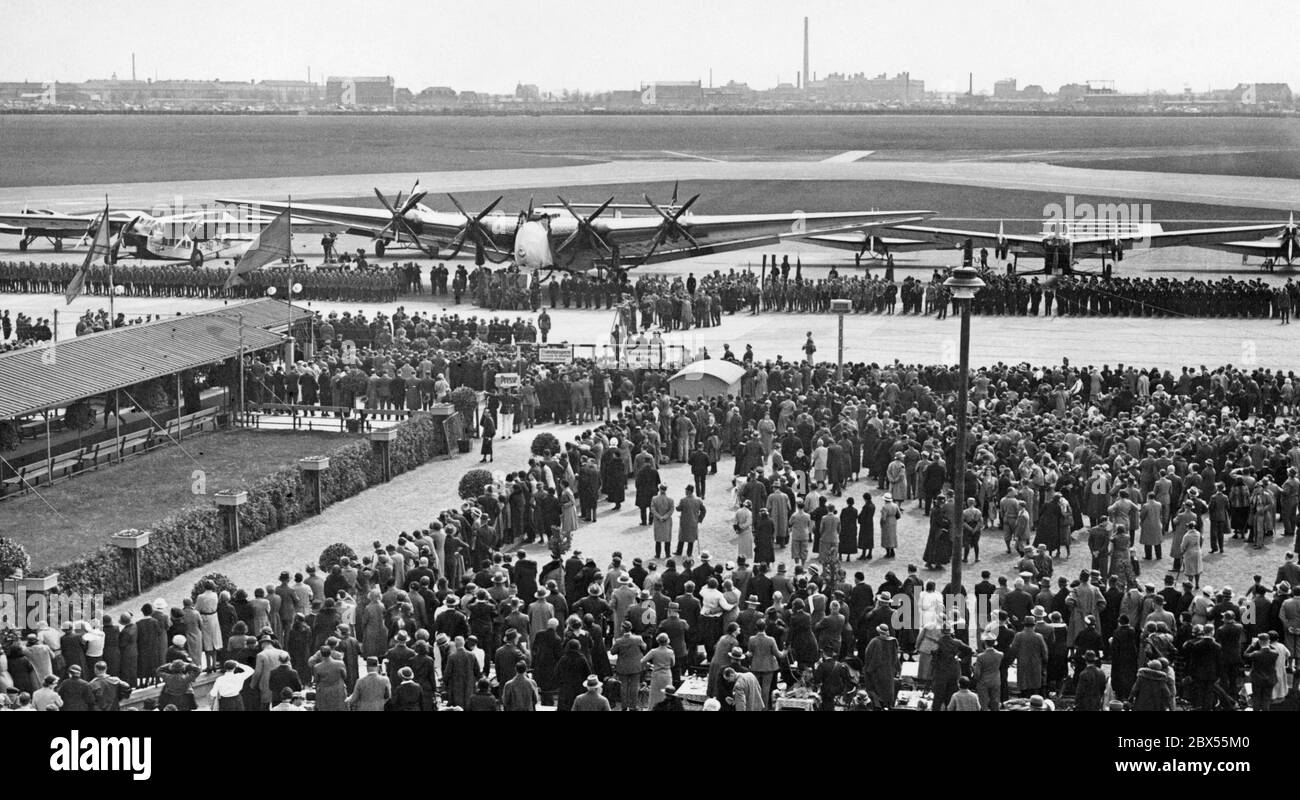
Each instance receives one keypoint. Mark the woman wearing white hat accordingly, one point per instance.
(890, 513)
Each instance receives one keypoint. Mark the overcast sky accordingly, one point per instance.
(558, 44)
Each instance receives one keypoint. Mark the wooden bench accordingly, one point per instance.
(134, 443)
(19, 481)
(90, 456)
(66, 463)
(45, 471)
(206, 418)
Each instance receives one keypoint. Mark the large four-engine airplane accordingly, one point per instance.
(193, 236)
(568, 237)
(1062, 243)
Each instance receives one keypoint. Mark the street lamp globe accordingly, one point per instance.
(964, 283)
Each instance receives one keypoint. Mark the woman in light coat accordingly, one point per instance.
(889, 516)
(744, 526)
(1190, 552)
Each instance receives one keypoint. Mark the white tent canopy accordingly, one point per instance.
(707, 378)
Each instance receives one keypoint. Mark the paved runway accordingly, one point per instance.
(1278, 193)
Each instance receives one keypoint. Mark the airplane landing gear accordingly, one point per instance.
(58, 244)
(380, 245)
(24, 243)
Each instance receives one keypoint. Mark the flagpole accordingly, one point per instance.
(109, 262)
(288, 288)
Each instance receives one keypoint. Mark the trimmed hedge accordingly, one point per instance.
(195, 536)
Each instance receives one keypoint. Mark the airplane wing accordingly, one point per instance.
(957, 237)
(1196, 237)
(724, 228)
(862, 241)
(357, 220)
(725, 246)
(72, 223)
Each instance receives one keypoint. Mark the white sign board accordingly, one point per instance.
(507, 380)
(554, 354)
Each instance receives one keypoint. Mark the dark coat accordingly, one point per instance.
(151, 645)
(1090, 692)
(128, 653)
(1151, 692)
(613, 476)
(570, 673)
(647, 486)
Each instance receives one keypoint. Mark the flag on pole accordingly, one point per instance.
(272, 244)
(99, 247)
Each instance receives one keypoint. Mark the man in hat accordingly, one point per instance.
(520, 693)
(880, 662)
(76, 693)
(540, 611)
(987, 672)
(746, 692)
(671, 701)
(592, 699)
(627, 651)
(1090, 684)
(373, 690)
(830, 678)
(269, 657)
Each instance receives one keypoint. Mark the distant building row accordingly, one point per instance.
(834, 91)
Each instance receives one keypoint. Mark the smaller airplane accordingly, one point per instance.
(1284, 245)
(1063, 243)
(193, 236)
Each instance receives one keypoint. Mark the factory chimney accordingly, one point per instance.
(805, 72)
(970, 91)
(133, 67)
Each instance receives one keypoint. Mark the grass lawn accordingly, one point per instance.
(147, 488)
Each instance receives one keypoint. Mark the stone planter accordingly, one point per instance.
(231, 497)
(314, 463)
(45, 583)
(130, 540)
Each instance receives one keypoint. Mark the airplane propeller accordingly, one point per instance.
(474, 231)
(1291, 233)
(671, 227)
(398, 224)
(585, 232)
(527, 215)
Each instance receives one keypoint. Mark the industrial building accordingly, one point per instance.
(363, 92)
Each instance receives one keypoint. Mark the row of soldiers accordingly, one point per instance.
(1014, 295)
(374, 284)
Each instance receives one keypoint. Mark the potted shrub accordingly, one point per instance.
(333, 554)
(220, 581)
(545, 443)
(14, 561)
(472, 483)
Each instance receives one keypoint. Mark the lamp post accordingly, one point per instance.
(840, 307)
(964, 283)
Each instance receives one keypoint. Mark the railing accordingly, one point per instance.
(318, 418)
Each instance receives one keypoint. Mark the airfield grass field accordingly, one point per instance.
(70, 518)
(959, 206)
(51, 150)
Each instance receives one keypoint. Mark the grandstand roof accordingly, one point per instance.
(60, 373)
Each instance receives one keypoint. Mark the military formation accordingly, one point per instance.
(674, 303)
